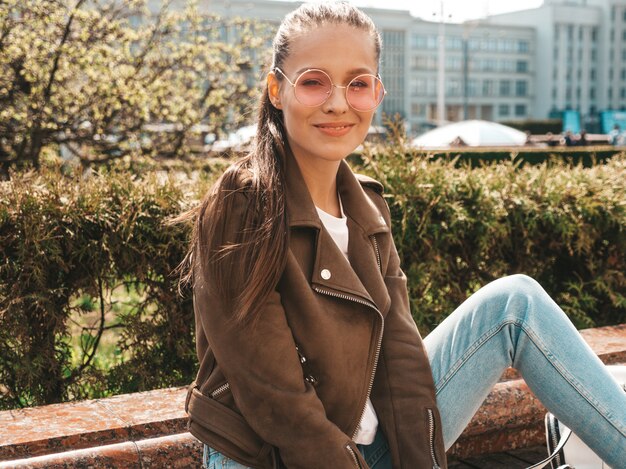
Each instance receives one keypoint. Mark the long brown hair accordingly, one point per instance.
(245, 270)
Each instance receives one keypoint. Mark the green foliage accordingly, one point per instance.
(457, 228)
(72, 247)
(89, 78)
(537, 126)
(88, 295)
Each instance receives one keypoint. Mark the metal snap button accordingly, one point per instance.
(325, 274)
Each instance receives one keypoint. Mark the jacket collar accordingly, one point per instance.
(360, 276)
(356, 203)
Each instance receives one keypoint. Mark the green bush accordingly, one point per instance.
(457, 228)
(68, 243)
(87, 259)
(537, 126)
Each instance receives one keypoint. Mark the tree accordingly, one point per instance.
(87, 76)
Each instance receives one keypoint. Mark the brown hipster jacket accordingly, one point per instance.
(290, 391)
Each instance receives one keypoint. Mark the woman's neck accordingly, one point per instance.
(320, 178)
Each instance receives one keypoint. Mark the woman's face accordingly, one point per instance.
(332, 130)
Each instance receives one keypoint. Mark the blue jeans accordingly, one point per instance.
(513, 322)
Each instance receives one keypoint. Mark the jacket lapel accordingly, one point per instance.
(331, 270)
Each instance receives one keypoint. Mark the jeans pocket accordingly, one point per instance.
(213, 459)
(208, 457)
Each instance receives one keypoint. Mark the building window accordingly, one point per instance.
(592, 93)
(554, 93)
(624, 16)
(522, 66)
(594, 54)
(624, 55)
(418, 110)
(505, 88)
(610, 92)
(594, 34)
(453, 87)
(472, 86)
(520, 110)
(487, 87)
(521, 88)
(624, 35)
(454, 43)
(622, 93)
(418, 41)
(623, 73)
(570, 32)
(504, 110)
(592, 74)
(522, 46)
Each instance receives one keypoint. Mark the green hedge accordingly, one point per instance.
(457, 228)
(87, 260)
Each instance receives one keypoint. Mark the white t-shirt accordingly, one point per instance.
(338, 230)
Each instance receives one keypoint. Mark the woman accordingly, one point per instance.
(309, 357)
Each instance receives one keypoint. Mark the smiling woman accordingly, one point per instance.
(309, 356)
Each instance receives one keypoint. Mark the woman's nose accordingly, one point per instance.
(336, 102)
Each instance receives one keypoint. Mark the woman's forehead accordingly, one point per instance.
(333, 47)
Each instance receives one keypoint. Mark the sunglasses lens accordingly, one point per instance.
(365, 92)
(313, 87)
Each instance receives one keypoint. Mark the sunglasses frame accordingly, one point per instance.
(328, 95)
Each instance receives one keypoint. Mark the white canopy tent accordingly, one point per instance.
(471, 133)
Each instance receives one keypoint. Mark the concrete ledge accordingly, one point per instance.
(137, 427)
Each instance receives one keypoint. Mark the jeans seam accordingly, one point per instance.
(576, 386)
(573, 382)
(471, 351)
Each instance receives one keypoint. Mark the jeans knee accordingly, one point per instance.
(523, 284)
(521, 293)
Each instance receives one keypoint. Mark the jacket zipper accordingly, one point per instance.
(219, 391)
(373, 237)
(354, 458)
(378, 346)
(431, 431)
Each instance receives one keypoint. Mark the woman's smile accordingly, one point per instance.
(335, 129)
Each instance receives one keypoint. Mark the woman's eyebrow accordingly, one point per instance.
(354, 71)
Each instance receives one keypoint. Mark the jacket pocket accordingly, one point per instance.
(220, 391)
(354, 456)
(225, 430)
(431, 431)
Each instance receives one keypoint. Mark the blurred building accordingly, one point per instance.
(567, 55)
(581, 61)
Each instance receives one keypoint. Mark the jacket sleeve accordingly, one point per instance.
(260, 362)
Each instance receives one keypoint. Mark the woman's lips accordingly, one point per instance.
(335, 129)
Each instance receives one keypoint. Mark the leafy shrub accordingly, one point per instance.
(67, 243)
(457, 228)
(89, 255)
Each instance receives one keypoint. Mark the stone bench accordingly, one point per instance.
(148, 429)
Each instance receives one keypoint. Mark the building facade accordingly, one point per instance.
(581, 63)
(530, 64)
